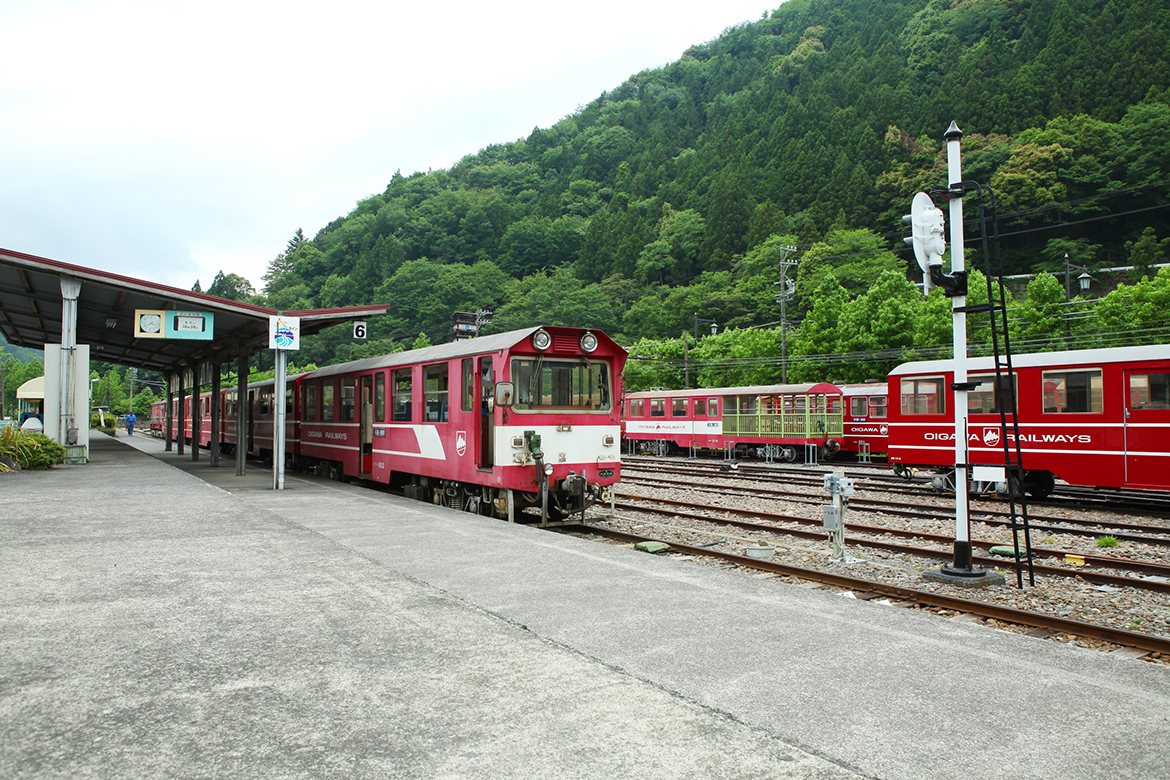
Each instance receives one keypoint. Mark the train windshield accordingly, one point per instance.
(560, 385)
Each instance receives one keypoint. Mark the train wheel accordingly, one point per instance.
(788, 454)
(1039, 484)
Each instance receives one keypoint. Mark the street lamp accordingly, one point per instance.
(1083, 280)
(698, 319)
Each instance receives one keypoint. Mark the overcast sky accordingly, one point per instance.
(168, 140)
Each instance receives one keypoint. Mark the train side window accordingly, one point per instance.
(327, 400)
(657, 407)
(380, 397)
(858, 406)
(288, 400)
(347, 398)
(468, 389)
(877, 407)
(401, 389)
(712, 407)
(1149, 391)
(435, 392)
(637, 407)
(678, 407)
(1074, 391)
(923, 395)
(311, 401)
(982, 399)
(700, 407)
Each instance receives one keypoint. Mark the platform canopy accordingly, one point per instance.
(31, 305)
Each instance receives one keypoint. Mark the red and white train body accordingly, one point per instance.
(1098, 417)
(775, 422)
(494, 424)
(866, 424)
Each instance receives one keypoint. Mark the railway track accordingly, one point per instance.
(1148, 503)
(866, 589)
(1127, 531)
(1159, 574)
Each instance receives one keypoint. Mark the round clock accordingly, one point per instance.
(150, 323)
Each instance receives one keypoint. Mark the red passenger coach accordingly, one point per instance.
(866, 425)
(775, 422)
(1097, 417)
(494, 424)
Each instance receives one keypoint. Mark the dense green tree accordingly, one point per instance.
(1133, 314)
(817, 123)
(231, 286)
(1042, 317)
(738, 358)
(1146, 252)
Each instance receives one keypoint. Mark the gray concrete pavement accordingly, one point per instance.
(156, 625)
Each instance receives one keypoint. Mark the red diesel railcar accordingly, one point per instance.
(496, 424)
(1098, 417)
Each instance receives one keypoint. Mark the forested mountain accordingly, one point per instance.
(669, 200)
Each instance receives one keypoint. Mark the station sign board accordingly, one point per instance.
(168, 324)
(284, 332)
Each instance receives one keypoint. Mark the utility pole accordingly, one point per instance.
(787, 290)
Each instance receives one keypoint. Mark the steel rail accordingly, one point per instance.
(982, 609)
(893, 508)
(1097, 578)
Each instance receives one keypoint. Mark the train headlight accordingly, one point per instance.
(541, 340)
(607, 440)
(548, 469)
(588, 342)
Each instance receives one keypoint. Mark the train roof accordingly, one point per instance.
(1072, 357)
(481, 345)
(870, 388)
(804, 389)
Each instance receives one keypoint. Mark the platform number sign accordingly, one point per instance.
(359, 329)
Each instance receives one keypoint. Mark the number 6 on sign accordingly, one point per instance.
(359, 330)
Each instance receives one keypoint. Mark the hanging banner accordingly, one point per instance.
(284, 332)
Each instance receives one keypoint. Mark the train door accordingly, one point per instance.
(1147, 416)
(486, 378)
(366, 424)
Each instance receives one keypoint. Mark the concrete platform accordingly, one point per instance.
(156, 624)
